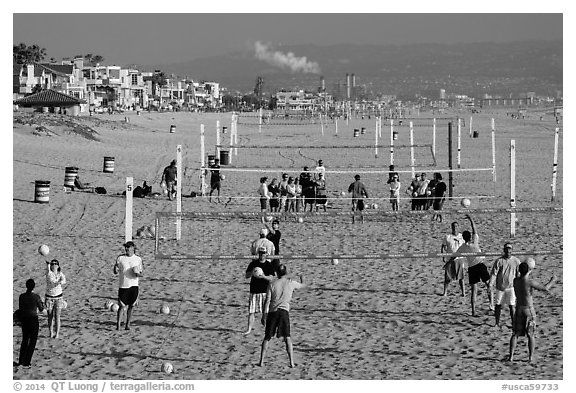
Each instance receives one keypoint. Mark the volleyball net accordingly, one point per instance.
(319, 235)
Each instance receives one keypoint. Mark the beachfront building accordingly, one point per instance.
(31, 77)
(297, 102)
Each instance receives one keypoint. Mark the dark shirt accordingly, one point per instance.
(29, 303)
(170, 174)
(215, 173)
(259, 285)
(358, 190)
(440, 189)
(275, 238)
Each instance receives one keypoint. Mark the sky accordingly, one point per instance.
(171, 38)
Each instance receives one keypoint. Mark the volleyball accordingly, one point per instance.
(115, 307)
(334, 261)
(300, 220)
(165, 309)
(343, 193)
(167, 368)
(374, 206)
(108, 304)
(465, 202)
(257, 272)
(531, 263)
(222, 177)
(137, 269)
(43, 250)
(269, 218)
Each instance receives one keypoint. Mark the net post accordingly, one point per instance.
(512, 187)
(555, 163)
(202, 164)
(179, 178)
(156, 234)
(391, 142)
(321, 123)
(235, 134)
(493, 151)
(260, 120)
(459, 146)
(128, 215)
(434, 137)
(412, 163)
(336, 123)
(376, 139)
(217, 151)
(450, 173)
(470, 127)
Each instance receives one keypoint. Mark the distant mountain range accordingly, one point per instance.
(473, 69)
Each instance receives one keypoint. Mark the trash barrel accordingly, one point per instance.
(363, 130)
(224, 130)
(70, 175)
(356, 132)
(172, 129)
(108, 165)
(394, 135)
(41, 191)
(224, 157)
(475, 134)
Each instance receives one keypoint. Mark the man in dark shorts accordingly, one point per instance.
(169, 177)
(438, 200)
(215, 179)
(359, 192)
(477, 270)
(277, 318)
(129, 268)
(525, 315)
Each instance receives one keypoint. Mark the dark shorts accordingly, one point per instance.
(278, 322)
(321, 199)
(263, 203)
(477, 273)
(128, 296)
(438, 203)
(215, 185)
(524, 321)
(358, 204)
(274, 202)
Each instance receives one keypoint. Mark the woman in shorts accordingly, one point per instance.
(54, 299)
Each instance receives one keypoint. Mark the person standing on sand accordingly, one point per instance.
(54, 300)
(129, 268)
(358, 191)
(503, 273)
(28, 305)
(274, 235)
(454, 268)
(525, 315)
(262, 241)
(258, 286)
(263, 193)
(395, 185)
(477, 270)
(169, 177)
(215, 179)
(438, 200)
(277, 317)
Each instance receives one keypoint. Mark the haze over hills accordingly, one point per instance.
(473, 69)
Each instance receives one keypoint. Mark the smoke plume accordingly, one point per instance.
(285, 60)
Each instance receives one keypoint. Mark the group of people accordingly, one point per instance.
(510, 279)
(294, 194)
(128, 267)
(427, 193)
(29, 303)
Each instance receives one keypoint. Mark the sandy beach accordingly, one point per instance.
(363, 319)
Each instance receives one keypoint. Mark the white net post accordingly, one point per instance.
(434, 137)
(336, 125)
(260, 120)
(202, 164)
(493, 152)
(459, 128)
(376, 140)
(179, 178)
(321, 123)
(128, 216)
(380, 126)
(412, 162)
(512, 187)
(555, 164)
(231, 139)
(217, 151)
(391, 142)
(235, 135)
(470, 125)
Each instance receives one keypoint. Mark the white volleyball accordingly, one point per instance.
(43, 250)
(222, 177)
(300, 220)
(165, 309)
(334, 261)
(343, 193)
(167, 368)
(531, 262)
(374, 206)
(108, 304)
(465, 202)
(115, 307)
(257, 272)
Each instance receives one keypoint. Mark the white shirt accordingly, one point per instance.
(452, 242)
(125, 264)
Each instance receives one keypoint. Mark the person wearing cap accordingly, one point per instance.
(321, 197)
(454, 268)
(274, 235)
(263, 193)
(359, 192)
(262, 241)
(215, 179)
(395, 186)
(129, 268)
(413, 191)
(477, 270)
(169, 178)
(503, 273)
(276, 315)
(525, 315)
(258, 285)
